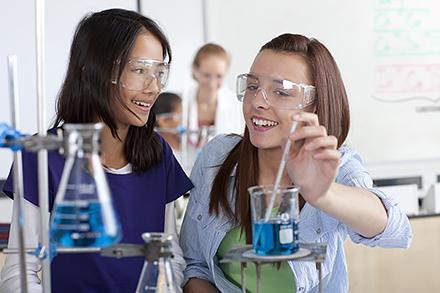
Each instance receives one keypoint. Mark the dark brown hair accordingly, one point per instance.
(100, 49)
(166, 102)
(331, 107)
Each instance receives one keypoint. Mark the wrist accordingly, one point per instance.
(326, 200)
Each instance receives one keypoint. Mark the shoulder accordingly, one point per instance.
(166, 148)
(225, 91)
(208, 163)
(161, 140)
(218, 148)
(349, 157)
(189, 92)
(351, 170)
(167, 152)
(228, 100)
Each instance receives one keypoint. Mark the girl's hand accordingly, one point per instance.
(313, 160)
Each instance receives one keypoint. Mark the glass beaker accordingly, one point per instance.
(157, 273)
(277, 235)
(83, 213)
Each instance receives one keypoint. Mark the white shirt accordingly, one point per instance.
(10, 275)
(228, 116)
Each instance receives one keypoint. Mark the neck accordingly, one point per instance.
(206, 95)
(268, 164)
(112, 149)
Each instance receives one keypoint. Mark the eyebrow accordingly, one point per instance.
(279, 81)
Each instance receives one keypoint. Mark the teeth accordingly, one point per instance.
(262, 122)
(140, 103)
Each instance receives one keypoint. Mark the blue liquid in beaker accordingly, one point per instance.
(80, 224)
(275, 237)
(149, 281)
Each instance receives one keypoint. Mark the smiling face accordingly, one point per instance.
(146, 46)
(267, 125)
(211, 72)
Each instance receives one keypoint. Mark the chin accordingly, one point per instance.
(138, 123)
(261, 143)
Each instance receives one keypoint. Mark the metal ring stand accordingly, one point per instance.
(308, 252)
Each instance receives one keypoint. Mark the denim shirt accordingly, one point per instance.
(202, 233)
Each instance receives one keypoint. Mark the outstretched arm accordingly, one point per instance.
(313, 166)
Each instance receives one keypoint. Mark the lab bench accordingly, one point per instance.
(382, 270)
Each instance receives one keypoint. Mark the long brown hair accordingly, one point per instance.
(331, 107)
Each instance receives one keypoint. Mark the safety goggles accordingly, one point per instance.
(138, 74)
(278, 93)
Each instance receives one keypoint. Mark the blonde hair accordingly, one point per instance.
(209, 50)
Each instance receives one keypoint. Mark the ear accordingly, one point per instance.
(194, 72)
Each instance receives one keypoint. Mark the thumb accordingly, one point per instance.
(296, 144)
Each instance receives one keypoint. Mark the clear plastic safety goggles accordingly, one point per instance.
(138, 74)
(278, 93)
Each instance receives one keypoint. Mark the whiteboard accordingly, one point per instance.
(388, 52)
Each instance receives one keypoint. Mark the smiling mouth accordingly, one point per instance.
(258, 122)
(142, 104)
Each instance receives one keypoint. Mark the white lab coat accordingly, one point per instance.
(228, 117)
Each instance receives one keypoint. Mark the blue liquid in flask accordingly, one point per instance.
(149, 281)
(276, 237)
(81, 224)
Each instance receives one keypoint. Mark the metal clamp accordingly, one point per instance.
(317, 255)
(15, 140)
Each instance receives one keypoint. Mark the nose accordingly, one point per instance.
(152, 84)
(212, 81)
(260, 99)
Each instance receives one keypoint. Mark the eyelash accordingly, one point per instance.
(281, 93)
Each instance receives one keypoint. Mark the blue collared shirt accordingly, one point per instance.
(202, 233)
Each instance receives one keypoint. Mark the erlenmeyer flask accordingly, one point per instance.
(157, 273)
(83, 213)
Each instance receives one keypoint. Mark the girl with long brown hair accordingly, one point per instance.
(293, 78)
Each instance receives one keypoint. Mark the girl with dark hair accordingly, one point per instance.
(293, 78)
(119, 62)
(168, 109)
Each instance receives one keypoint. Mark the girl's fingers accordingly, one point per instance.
(327, 154)
(307, 118)
(308, 132)
(327, 142)
(294, 147)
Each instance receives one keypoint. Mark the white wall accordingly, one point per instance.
(183, 25)
(357, 33)
(18, 37)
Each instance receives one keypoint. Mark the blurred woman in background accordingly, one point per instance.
(208, 105)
